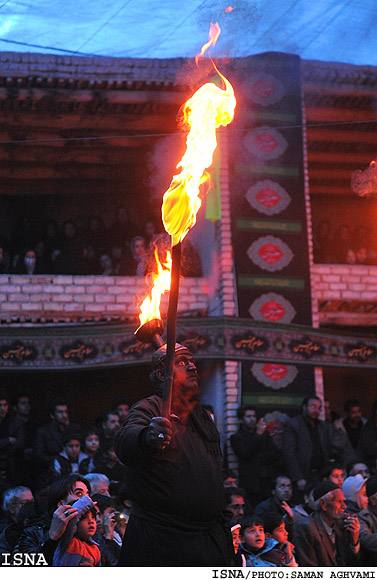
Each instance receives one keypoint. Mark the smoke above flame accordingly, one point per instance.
(364, 181)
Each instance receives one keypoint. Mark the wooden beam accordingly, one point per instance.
(86, 96)
(338, 114)
(324, 134)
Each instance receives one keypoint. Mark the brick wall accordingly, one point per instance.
(343, 282)
(91, 297)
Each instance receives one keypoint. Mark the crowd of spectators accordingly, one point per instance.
(88, 247)
(308, 500)
(343, 245)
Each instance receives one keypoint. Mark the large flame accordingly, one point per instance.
(209, 108)
(150, 307)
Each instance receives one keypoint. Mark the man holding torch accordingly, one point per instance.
(173, 475)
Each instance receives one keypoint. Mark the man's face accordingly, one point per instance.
(313, 409)
(354, 415)
(101, 488)
(22, 407)
(78, 490)
(60, 415)
(237, 506)
(373, 502)
(122, 411)
(360, 468)
(18, 501)
(362, 497)
(335, 505)
(111, 425)
(72, 448)
(4, 406)
(92, 443)
(337, 477)
(249, 420)
(186, 387)
(230, 482)
(283, 489)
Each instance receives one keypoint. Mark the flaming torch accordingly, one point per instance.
(208, 109)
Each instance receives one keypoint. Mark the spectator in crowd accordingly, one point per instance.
(347, 430)
(12, 444)
(42, 535)
(11, 533)
(355, 467)
(306, 507)
(91, 448)
(274, 527)
(22, 410)
(191, 263)
(91, 266)
(150, 231)
(99, 483)
(326, 538)
(76, 546)
(354, 489)
(278, 502)
(260, 551)
(121, 406)
(230, 478)
(256, 453)
(26, 262)
(368, 525)
(111, 466)
(69, 259)
(367, 448)
(109, 425)
(111, 525)
(5, 262)
(13, 500)
(334, 472)
(48, 440)
(22, 236)
(120, 257)
(68, 460)
(51, 239)
(342, 250)
(234, 498)
(105, 265)
(330, 414)
(138, 265)
(97, 235)
(174, 475)
(306, 444)
(322, 243)
(123, 229)
(239, 560)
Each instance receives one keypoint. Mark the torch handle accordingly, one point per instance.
(171, 329)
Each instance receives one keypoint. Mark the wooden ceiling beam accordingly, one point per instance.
(324, 134)
(86, 96)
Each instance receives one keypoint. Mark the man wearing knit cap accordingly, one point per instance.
(368, 525)
(327, 537)
(173, 475)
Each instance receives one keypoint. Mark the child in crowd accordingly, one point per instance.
(76, 546)
(274, 527)
(260, 551)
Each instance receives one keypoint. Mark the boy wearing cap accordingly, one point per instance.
(326, 537)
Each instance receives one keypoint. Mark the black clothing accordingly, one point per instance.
(47, 444)
(177, 494)
(258, 459)
(11, 453)
(273, 505)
